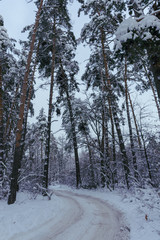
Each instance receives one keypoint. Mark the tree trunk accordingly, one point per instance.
(90, 156)
(135, 121)
(130, 125)
(103, 151)
(17, 153)
(31, 83)
(146, 157)
(73, 129)
(114, 112)
(1, 130)
(90, 161)
(75, 145)
(47, 149)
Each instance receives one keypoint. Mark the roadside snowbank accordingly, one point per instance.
(26, 213)
(141, 210)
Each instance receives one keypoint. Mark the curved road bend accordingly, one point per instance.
(84, 218)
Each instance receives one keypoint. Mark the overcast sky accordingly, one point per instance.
(17, 14)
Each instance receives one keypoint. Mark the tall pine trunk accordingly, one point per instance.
(103, 151)
(93, 184)
(74, 137)
(114, 112)
(17, 154)
(130, 125)
(1, 130)
(146, 157)
(27, 105)
(73, 129)
(139, 139)
(47, 149)
(135, 121)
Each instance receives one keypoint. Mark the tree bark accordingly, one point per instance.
(130, 125)
(47, 149)
(17, 153)
(93, 184)
(103, 151)
(75, 145)
(135, 121)
(73, 129)
(114, 112)
(91, 162)
(1, 130)
(146, 157)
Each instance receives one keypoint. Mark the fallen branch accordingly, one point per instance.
(48, 192)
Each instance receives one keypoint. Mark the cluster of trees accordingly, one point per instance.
(106, 144)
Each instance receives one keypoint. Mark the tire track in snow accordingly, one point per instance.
(84, 218)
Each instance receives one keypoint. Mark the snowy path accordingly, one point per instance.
(84, 218)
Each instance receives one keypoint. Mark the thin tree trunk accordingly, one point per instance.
(146, 156)
(114, 174)
(73, 129)
(47, 149)
(130, 125)
(1, 130)
(75, 145)
(90, 158)
(91, 162)
(139, 139)
(135, 121)
(122, 147)
(17, 154)
(103, 151)
(114, 112)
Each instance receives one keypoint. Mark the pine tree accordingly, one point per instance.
(130, 125)
(104, 20)
(67, 85)
(5, 45)
(140, 36)
(54, 37)
(17, 154)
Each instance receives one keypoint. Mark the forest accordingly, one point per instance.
(109, 140)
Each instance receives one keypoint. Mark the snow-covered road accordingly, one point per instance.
(84, 218)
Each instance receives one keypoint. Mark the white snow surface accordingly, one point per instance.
(140, 209)
(131, 28)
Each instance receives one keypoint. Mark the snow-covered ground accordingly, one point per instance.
(140, 208)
